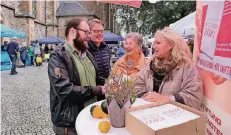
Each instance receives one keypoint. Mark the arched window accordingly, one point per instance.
(34, 8)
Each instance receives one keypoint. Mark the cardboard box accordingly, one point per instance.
(169, 118)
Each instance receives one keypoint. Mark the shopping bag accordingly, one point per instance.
(39, 59)
(47, 56)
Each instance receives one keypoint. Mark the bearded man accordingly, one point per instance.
(73, 78)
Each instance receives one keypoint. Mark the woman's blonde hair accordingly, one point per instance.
(180, 50)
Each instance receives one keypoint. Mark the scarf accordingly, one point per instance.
(135, 57)
(162, 67)
(160, 70)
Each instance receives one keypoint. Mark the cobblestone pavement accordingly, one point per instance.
(25, 102)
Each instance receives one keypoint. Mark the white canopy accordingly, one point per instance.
(150, 40)
(186, 25)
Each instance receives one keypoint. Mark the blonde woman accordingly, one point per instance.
(170, 75)
(133, 60)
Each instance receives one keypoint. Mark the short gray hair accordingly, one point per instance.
(92, 22)
(136, 37)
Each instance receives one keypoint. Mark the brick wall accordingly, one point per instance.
(47, 16)
(42, 17)
(39, 30)
(19, 24)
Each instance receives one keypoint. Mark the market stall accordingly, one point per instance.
(9, 32)
(51, 40)
(186, 25)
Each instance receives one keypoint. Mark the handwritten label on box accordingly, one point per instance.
(164, 116)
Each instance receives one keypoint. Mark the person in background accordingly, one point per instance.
(133, 60)
(73, 78)
(23, 53)
(39, 60)
(171, 74)
(12, 49)
(4, 46)
(149, 45)
(51, 49)
(37, 50)
(46, 49)
(191, 44)
(100, 50)
(41, 51)
(121, 51)
(115, 49)
(145, 50)
(31, 54)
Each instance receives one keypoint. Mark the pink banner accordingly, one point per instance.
(223, 48)
(214, 38)
(133, 3)
(212, 53)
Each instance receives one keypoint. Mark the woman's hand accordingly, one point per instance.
(154, 97)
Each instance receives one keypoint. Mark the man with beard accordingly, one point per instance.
(73, 78)
(99, 50)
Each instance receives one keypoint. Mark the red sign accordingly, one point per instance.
(133, 3)
(212, 53)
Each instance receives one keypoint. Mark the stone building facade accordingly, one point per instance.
(48, 18)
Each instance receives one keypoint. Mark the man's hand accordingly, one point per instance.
(154, 97)
(103, 89)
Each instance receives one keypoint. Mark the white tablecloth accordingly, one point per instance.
(87, 125)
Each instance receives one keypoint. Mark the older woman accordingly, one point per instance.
(133, 60)
(170, 75)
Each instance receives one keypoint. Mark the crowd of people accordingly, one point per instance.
(22, 52)
(77, 71)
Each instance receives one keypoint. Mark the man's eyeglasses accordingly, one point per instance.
(86, 31)
(98, 31)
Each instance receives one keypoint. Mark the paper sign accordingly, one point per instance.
(215, 38)
(164, 116)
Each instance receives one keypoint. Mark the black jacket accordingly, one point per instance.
(145, 51)
(12, 48)
(102, 58)
(67, 96)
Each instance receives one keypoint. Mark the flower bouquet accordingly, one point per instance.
(120, 95)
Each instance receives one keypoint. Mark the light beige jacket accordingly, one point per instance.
(186, 82)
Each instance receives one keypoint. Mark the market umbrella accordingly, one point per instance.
(51, 40)
(9, 32)
(108, 36)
